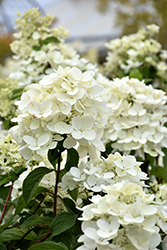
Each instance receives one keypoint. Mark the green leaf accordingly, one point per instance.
(69, 204)
(2, 247)
(73, 193)
(12, 219)
(49, 245)
(135, 73)
(50, 39)
(6, 124)
(53, 156)
(62, 222)
(159, 172)
(31, 182)
(4, 179)
(20, 205)
(72, 159)
(35, 220)
(16, 234)
(16, 93)
(165, 157)
(65, 237)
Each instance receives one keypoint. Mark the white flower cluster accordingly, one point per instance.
(67, 102)
(136, 50)
(137, 118)
(40, 49)
(124, 218)
(91, 175)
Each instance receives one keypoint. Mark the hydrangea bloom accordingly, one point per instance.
(137, 118)
(67, 102)
(7, 108)
(139, 51)
(124, 218)
(39, 49)
(91, 175)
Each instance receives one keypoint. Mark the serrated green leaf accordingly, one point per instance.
(62, 222)
(159, 172)
(73, 193)
(35, 220)
(49, 245)
(31, 182)
(135, 73)
(72, 159)
(16, 234)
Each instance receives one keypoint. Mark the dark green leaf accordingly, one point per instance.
(69, 204)
(31, 182)
(49, 245)
(2, 247)
(35, 220)
(65, 237)
(16, 234)
(20, 205)
(165, 157)
(4, 179)
(72, 159)
(159, 172)
(36, 48)
(62, 222)
(12, 219)
(53, 156)
(73, 193)
(135, 73)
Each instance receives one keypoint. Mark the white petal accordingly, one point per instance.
(26, 153)
(77, 123)
(29, 139)
(35, 124)
(75, 172)
(69, 142)
(46, 105)
(76, 73)
(43, 139)
(89, 134)
(77, 134)
(96, 90)
(87, 122)
(88, 75)
(63, 128)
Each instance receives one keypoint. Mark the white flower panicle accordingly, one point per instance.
(136, 50)
(67, 102)
(124, 218)
(39, 49)
(138, 116)
(91, 175)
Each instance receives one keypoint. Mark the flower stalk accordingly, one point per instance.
(6, 203)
